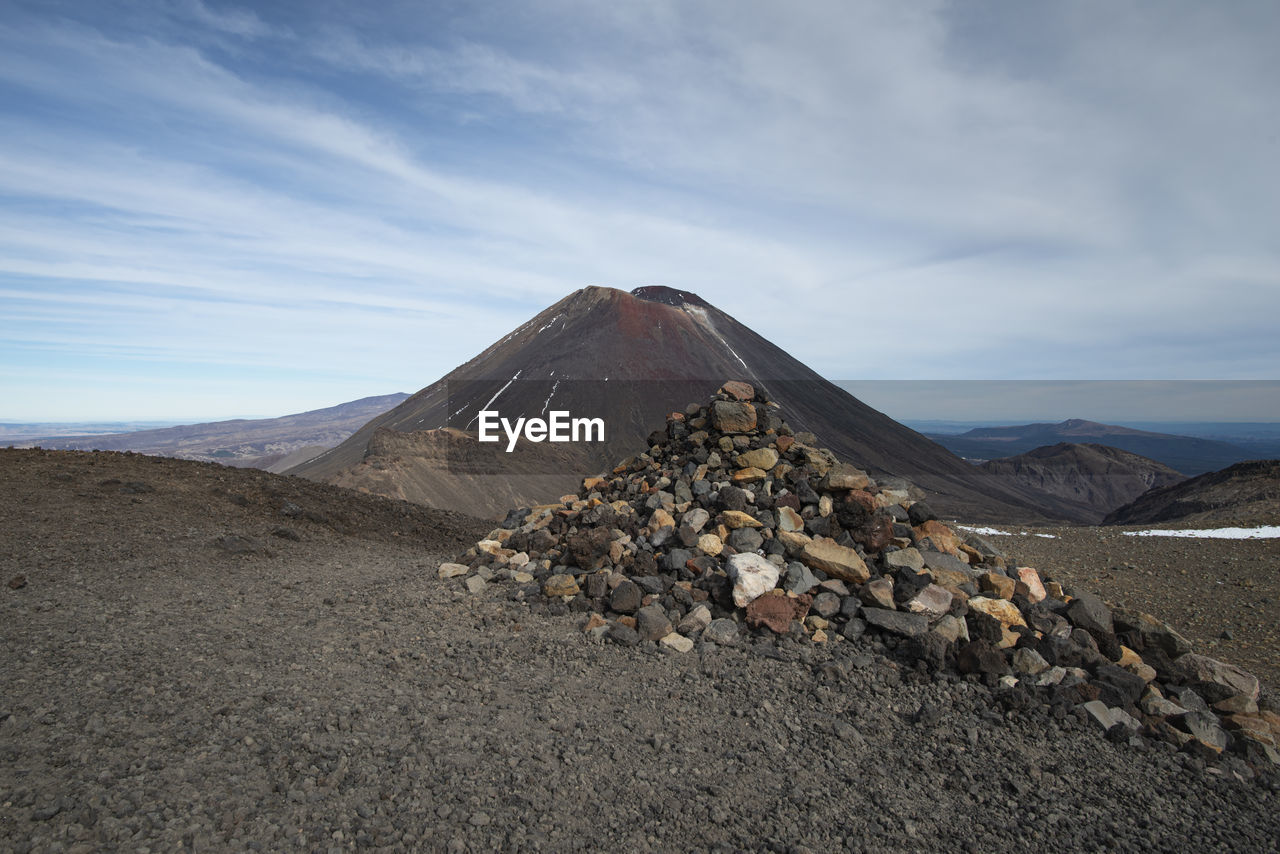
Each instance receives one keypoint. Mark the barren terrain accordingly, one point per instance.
(1206, 588)
(220, 659)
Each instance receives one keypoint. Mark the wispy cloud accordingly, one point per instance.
(884, 189)
(237, 22)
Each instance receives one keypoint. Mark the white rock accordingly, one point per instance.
(695, 519)
(933, 601)
(453, 570)
(1029, 661)
(753, 576)
(1052, 676)
(678, 642)
(1109, 717)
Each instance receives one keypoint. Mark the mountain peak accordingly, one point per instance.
(630, 358)
(669, 296)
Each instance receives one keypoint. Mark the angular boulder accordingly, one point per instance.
(752, 577)
(835, 560)
(1216, 680)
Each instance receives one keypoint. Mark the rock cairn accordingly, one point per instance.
(732, 525)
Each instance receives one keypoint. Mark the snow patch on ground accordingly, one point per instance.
(492, 399)
(700, 314)
(1262, 532)
(996, 532)
(547, 402)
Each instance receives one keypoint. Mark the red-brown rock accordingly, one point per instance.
(777, 611)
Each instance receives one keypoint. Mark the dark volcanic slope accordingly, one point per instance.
(1243, 494)
(160, 692)
(632, 358)
(240, 441)
(1095, 477)
(1186, 454)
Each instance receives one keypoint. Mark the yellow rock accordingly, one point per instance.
(495, 548)
(1002, 611)
(710, 544)
(748, 475)
(794, 541)
(661, 519)
(560, 585)
(949, 577)
(835, 560)
(942, 536)
(760, 458)
(738, 519)
(999, 586)
(1128, 658)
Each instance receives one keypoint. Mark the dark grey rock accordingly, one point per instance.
(898, 622)
(652, 623)
(676, 559)
(1088, 612)
(623, 635)
(799, 579)
(920, 512)
(943, 561)
(825, 604)
(722, 631)
(1117, 686)
(746, 539)
(626, 597)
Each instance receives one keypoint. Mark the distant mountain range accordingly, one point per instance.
(632, 358)
(261, 443)
(1185, 454)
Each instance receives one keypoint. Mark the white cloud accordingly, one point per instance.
(884, 189)
(237, 22)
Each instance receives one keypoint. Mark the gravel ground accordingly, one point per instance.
(179, 673)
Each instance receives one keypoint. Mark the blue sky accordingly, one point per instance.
(211, 209)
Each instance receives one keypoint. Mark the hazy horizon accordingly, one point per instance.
(968, 401)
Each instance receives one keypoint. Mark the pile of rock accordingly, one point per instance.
(732, 525)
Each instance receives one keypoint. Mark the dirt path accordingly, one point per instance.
(161, 691)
